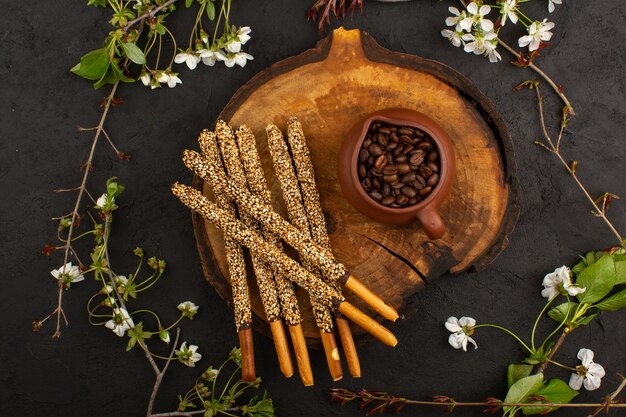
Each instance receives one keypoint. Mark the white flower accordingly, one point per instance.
(456, 19)
(588, 374)
(188, 57)
(120, 322)
(492, 54)
(188, 308)
(145, 79)
(461, 330)
(101, 201)
(120, 282)
(508, 9)
(453, 36)
(233, 45)
(210, 374)
(479, 43)
(188, 355)
(476, 16)
(551, 4)
(231, 59)
(557, 280)
(164, 335)
(169, 78)
(68, 274)
(244, 33)
(208, 56)
(537, 32)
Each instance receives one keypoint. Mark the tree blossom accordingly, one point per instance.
(230, 60)
(188, 308)
(476, 16)
(243, 33)
(68, 274)
(509, 8)
(559, 280)
(480, 43)
(120, 322)
(456, 18)
(551, 4)
(164, 335)
(188, 57)
(188, 355)
(208, 56)
(588, 373)
(145, 79)
(537, 32)
(461, 330)
(170, 78)
(455, 37)
(101, 202)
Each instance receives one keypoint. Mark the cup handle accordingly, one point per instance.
(431, 222)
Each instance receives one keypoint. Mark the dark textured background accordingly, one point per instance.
(87, 372)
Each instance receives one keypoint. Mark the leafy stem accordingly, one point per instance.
(504, 329)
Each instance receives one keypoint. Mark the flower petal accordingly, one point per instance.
(585, 356)
(575, 381)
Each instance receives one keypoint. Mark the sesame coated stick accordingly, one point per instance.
(307, 248)
(289, 303)
(239, 285)
(235, 229)
(311, 198)
(267, 289)
(286, 175)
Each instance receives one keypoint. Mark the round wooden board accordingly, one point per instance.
(346, 76)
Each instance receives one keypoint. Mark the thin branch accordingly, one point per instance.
(151, 13)
(559, 342)
(609, 400)
(159, 376)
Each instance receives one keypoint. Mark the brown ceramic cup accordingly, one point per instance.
(425, 212)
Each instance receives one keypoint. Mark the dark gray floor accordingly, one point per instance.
(87, 372)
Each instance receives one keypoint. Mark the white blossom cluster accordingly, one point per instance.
(478, 34)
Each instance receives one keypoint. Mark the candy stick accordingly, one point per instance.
(310, 195)
(307, 248)
(241, 297)
(289, 303)
(267, 289)
(278, 261)
(298, 217)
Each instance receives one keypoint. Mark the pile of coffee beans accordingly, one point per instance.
(398, 166)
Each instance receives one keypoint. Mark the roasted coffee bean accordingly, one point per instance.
(391, 146)
(367, 142)
(396, 191)
(417, 158)
(418, 133)
(384, 130)
(433, 180)
(380, 162)
(377, 173)
(433, 166)
(403, 168)
(386, 189)
(370, 160)
(364, 155)
(376, 184)
(375, 127)
(412, 201)
(407, 178)
(425, 146)
(375, 150)
(390, 170)
(398, 150)
(367, 183)
(382, 139)
(390, 178)
(376, 196)
(387, 200)
(397, 185)
(407, 149)
(408, 191)
(389, 157)
(393, 137)
(419, 182)
(425, 191)
(362, 171)
(402, 199)
(407, 140)
(405, 131)
(401, 158)
(394, 205)
(433, 156)
(425, 172)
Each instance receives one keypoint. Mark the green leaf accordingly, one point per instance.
(620, 269)
(558, 313)
(133, 53)
(522, 389)
(614, 302)
(98, 3)
(120, 75)
(598, 279)
(555, 391)
(515, 372)
(109, 77)
(93, 65)
(114, 189)
(210, 10)
(188, 3)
